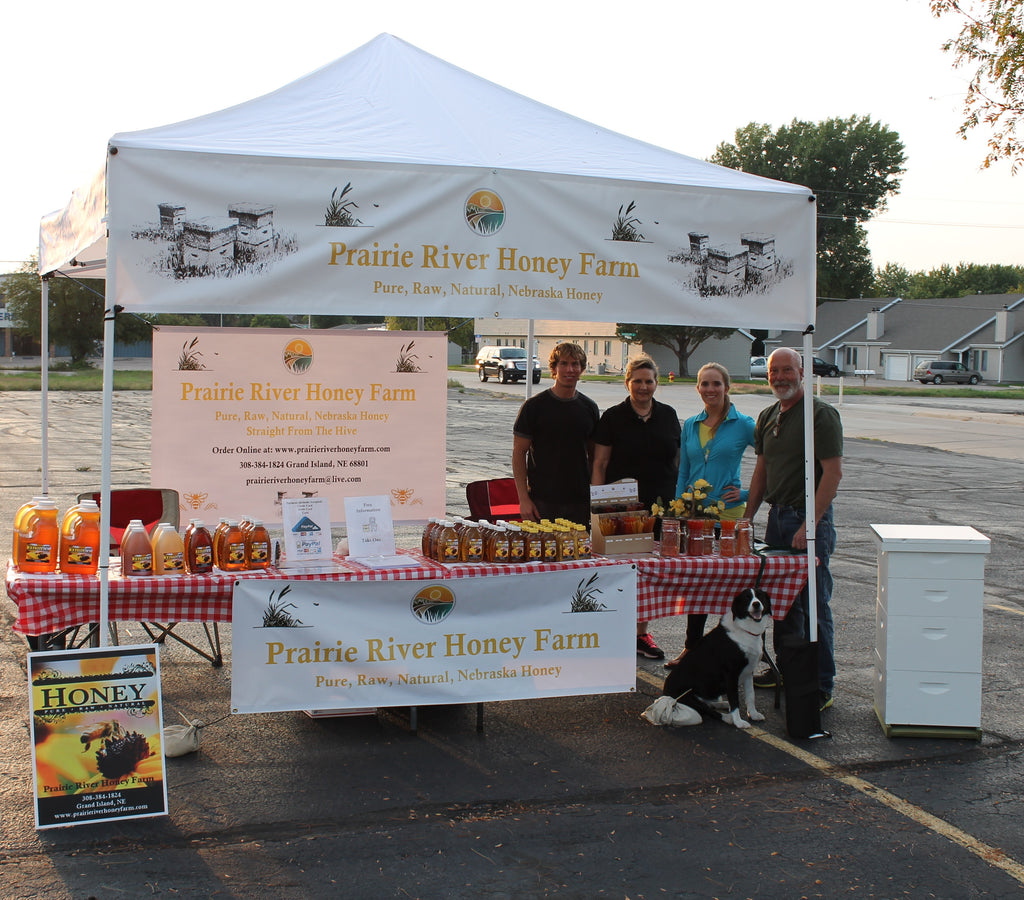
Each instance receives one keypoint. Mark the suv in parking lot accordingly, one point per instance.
(939, 370)
(505, 363)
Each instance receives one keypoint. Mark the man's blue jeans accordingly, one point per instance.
(783, 522)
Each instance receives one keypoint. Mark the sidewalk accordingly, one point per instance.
(573, 797)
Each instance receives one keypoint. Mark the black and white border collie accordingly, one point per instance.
(724, 659)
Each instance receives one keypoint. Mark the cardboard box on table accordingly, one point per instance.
(619, 494)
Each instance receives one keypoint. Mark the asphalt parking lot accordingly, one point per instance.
(571, 797)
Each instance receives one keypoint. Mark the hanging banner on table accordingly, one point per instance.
(317, 645)
(97, 727)
(246, 417)
(198, 231)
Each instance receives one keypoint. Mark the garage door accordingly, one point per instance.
(897, 368)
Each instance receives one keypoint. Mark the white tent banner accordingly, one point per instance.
(246, 417)
(201, 232)
(321, 645)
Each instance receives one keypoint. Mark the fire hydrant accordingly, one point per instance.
(671, 376)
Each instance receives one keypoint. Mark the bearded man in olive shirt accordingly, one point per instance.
(778, 479)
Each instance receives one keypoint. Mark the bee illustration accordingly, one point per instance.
(102, 731)
(402, 495)
(196, 500)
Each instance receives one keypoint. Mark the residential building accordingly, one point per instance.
(891, 336)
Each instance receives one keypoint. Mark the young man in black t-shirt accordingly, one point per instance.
(552, 443)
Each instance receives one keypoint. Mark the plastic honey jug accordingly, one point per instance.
(198, 549)
(80, 539)
(168, 550)
(19, 518)
(257, 546)
(38, 540)
(136, 551)
(231, 555)
(218, 542)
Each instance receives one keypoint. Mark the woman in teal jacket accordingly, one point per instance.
(712, 446)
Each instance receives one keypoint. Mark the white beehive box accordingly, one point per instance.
(928, 629)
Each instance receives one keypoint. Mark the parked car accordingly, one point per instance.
(505, 363)
(759, 367)
(939, 370)
(820, 367)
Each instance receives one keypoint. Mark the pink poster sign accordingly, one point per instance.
(246, 417)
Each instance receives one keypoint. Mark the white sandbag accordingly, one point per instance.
(667, 711)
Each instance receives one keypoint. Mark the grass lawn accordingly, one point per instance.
(80, 380)
(142, 380)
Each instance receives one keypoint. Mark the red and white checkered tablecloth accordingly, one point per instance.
(665, 587)
(680, 585)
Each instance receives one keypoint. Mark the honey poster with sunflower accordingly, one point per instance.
(96, 735)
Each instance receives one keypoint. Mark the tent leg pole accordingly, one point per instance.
(44, 380)
(811, 523)
(529, 360)
(108, 402)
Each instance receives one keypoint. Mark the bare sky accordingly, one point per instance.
(675, 73)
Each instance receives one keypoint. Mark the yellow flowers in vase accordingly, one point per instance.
(692, 503)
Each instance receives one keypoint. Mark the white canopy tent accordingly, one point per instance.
(392, 181)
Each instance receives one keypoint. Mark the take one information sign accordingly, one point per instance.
(97, 729)
(329, 645)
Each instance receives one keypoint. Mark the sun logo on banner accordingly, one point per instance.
(485, 212)
(298, 356)
(433, 604)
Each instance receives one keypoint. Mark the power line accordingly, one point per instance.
(885, 221)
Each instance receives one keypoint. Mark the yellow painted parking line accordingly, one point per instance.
(992, 855)
(1010, 609)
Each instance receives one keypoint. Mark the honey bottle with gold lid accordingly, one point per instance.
(516, 543)
(471, 542)
(447, 543)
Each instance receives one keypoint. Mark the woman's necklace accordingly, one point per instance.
(643, 416)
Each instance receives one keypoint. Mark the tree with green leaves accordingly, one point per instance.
(75, 320)
(270, 320)
(892, 280)
(948, 281)
(331, 321)
(991, 43)
(852, 165)
(682, 340)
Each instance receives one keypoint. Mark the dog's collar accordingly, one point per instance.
(747, 631)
